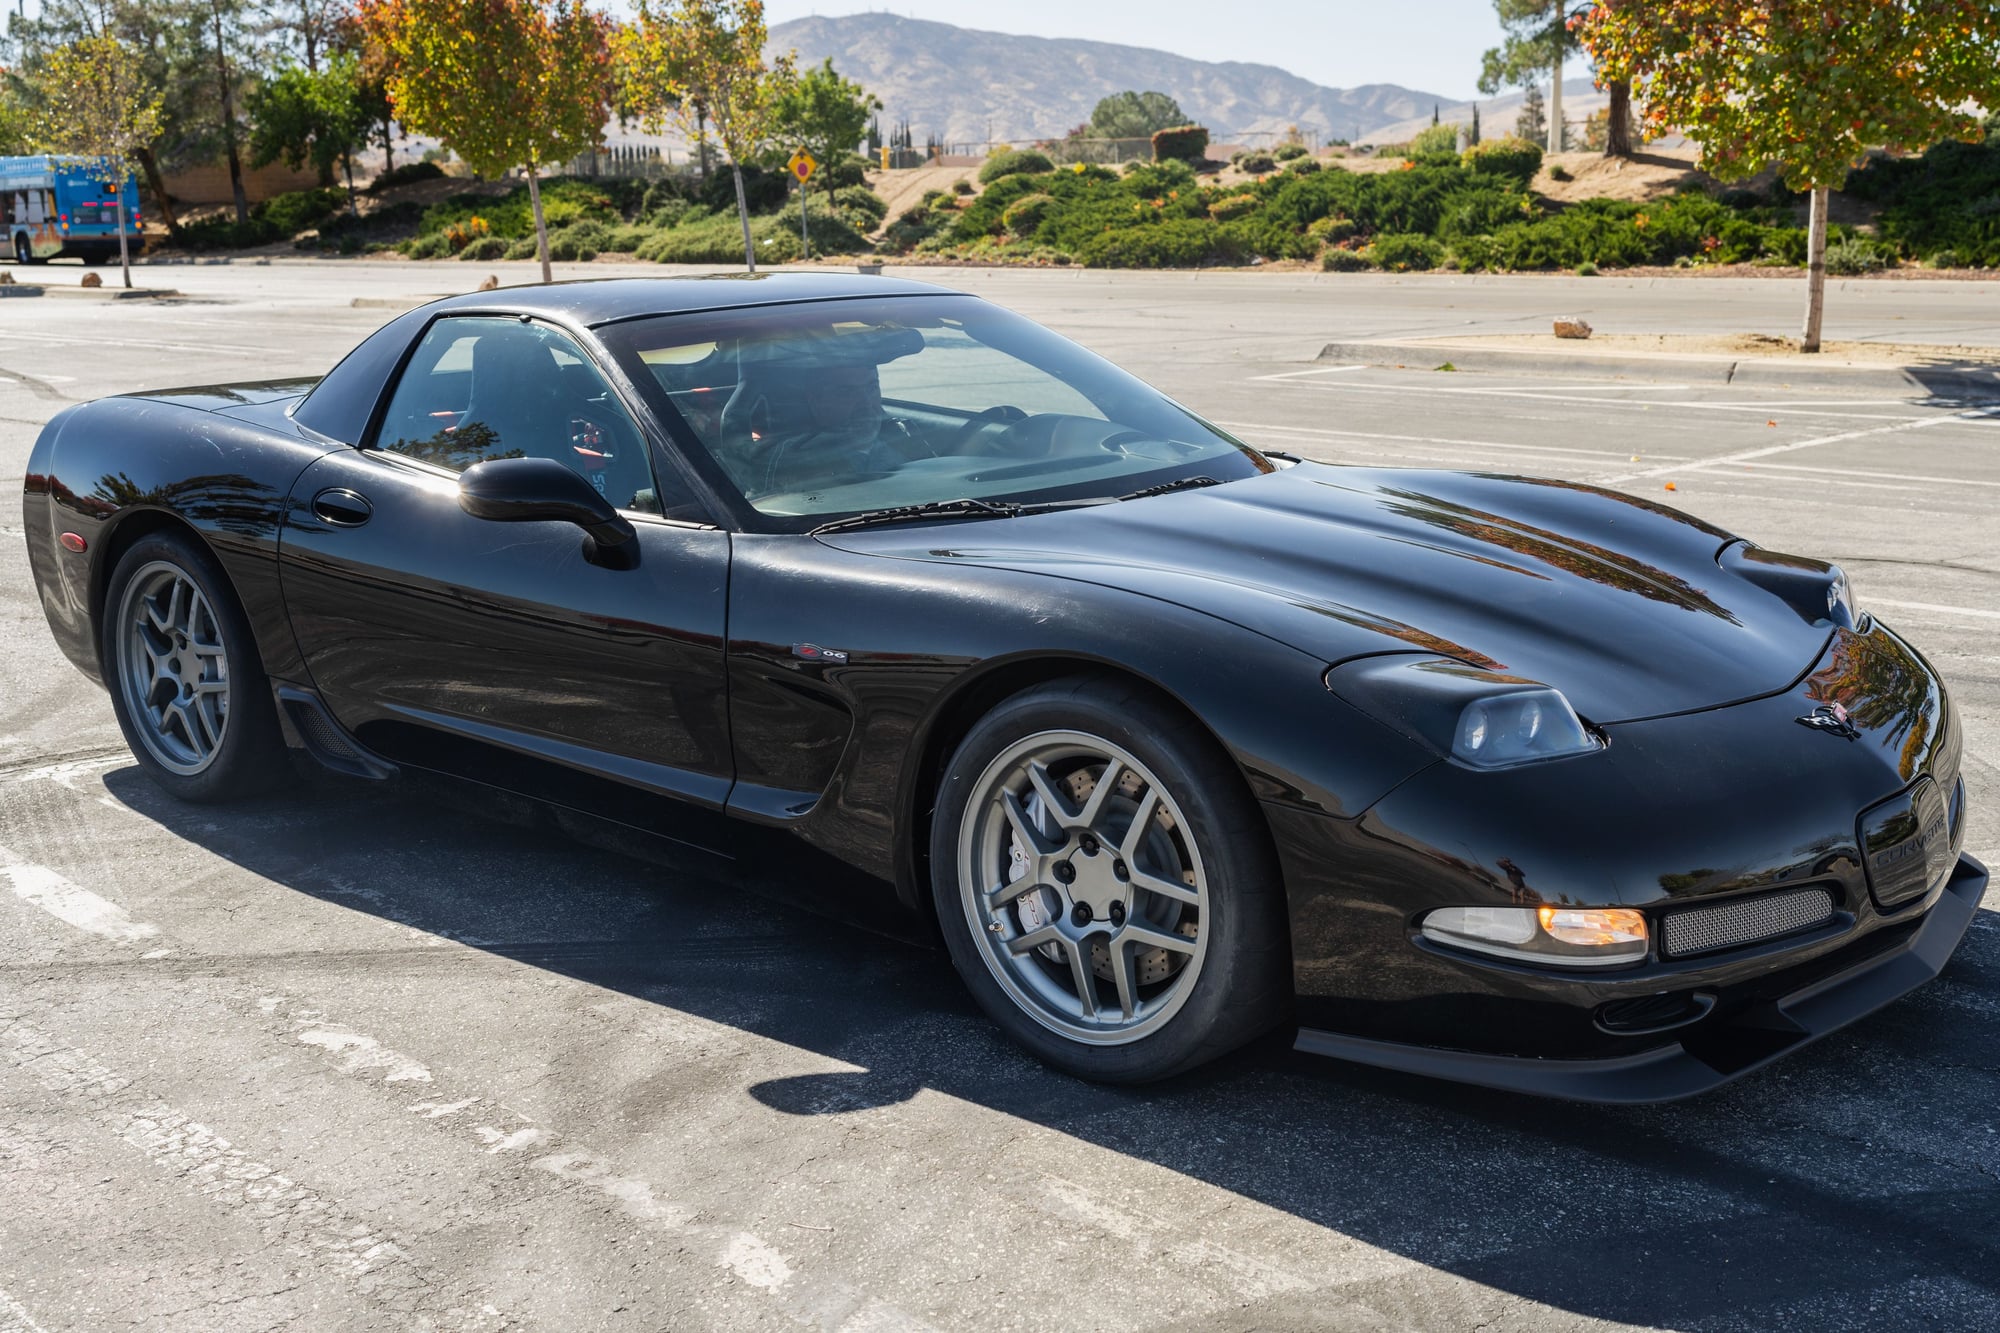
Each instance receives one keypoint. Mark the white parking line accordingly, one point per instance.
(1500, 445)
(1934, 607)
(1572, 396)
(13, 1319)
(1857, 472)
(1319, 370)
(1767, 451)
(44, 888)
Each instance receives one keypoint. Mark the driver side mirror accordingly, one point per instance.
(541, 490)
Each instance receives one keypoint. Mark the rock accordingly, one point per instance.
(92, 280)
(6, 277)
(1572, 328)
(492, 283)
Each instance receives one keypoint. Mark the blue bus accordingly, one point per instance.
(56, 207)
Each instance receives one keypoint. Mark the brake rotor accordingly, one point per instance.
(1041, 906)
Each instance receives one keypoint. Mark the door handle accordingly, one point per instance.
(341, 507)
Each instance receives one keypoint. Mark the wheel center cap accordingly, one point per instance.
(1096, 884)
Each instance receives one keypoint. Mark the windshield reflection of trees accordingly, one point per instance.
(1585, 560)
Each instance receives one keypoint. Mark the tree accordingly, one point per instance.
(316, 27)
(97, 104)
(826, 115)
(1474, 136)
(1807, 85)
(701, 64)
(1130, 115)
(319, 117)
(1541, 34)
(503, 83)
(1533, 122)
(14, 123)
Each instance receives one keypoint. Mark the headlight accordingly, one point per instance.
(1480, 718)
(1571, 936)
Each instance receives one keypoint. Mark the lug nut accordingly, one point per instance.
(1065, 872)
(1081, 914)
(1118, 869)
(1118, 914)
(1088, 844)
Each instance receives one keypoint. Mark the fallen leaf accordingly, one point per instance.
(1672, 487)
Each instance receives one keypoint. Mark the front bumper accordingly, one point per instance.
(1711, 1054)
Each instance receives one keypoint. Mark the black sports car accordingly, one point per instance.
(1513, 781)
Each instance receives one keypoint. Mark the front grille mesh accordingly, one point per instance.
(1696, 930)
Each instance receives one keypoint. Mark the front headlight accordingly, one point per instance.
(1479, 718)
(1570, 936)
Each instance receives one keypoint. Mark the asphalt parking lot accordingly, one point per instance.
(372, 1057)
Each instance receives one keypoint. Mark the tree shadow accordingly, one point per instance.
(1810, 1193)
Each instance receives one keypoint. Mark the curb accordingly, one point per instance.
(396, 302)
(87, 293)
(1945, 378)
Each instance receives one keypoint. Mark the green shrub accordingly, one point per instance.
(1407, 252)
(294, 212)
(1345, 261)
(1947, 199)
(719, 240)
(1257, 164)
(1513, 159)
(1014, 162)
(859, 200)
(485, 248)
(1302, 166)
(1559, 172)
(671, 213)
(1436, 146)
(565, 199)
(1946, 259)
(426, 247)
(1852, 258)
(1182, 143)
(1331, 230)
(407, 174)
(580, 242)
(627, 240)
(957, 187)
(524, 248)
(1286, 152)
(1025, 214)
(1234, 205)
(1586, 269)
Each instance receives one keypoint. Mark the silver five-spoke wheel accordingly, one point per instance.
(173, 668)
(1082, 882)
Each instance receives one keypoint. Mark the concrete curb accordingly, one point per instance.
(87, 293)
(396, 302)
(1941, 379)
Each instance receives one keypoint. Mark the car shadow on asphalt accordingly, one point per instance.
(1856, 1180)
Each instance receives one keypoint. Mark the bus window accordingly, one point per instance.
(39, 206)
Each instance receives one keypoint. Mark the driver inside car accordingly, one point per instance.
(808, 411)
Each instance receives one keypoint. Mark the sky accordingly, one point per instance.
(1433, 46)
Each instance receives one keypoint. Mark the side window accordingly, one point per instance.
(479, 388)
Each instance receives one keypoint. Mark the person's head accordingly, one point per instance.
(843, 401)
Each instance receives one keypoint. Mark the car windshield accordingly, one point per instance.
(813, 411)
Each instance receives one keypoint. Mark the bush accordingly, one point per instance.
(1435, 147)
(1586, 269)
(1512, 159)
(1286, 152)
(1559, 172)
(1407, 252)
(1014, 162)
(1852, 258)
(1234, 205)
(957, 187)
(859, 199)
(1025, 214)
(580, 242)
(485, 248)
(627, 240)
(1182, 143)
(1331, 230)
(289, 214)
(525, 248)
(1302, 166)
(407, 174)
(1345, 261)
(1257, 164)
(426, 247)
(1946, 200)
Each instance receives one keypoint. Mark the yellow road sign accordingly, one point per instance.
(803, 165)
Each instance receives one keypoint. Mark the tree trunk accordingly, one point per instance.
(1815, 269)
(229, 121)
(157, 185)
(352, 211)
(124, 252)
(388, 145)
(743, 215)
(1556, 105)
(541, 225)
(1618, 133)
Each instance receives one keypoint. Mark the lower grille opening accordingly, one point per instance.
(1654, 1013)
(1698, 930)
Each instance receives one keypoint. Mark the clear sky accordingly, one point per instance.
(1430, 45)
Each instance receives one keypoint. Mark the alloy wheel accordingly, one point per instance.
(173, 668)
(1083, 886)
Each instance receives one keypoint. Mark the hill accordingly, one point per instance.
(970, 87)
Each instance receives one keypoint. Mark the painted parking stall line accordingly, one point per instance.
(39, 886)
(15, 1319)
(1750, 455)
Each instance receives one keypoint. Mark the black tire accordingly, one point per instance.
(249, 755)
(1240, 986)
(22, 254)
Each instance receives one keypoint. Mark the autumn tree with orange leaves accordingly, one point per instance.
(1808, 86)
(503, 83)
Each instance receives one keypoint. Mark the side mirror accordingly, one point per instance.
(541, 490)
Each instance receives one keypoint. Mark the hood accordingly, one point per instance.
(1618, 602)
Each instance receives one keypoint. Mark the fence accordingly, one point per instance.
(634, 161)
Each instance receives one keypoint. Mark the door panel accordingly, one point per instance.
(501, 641)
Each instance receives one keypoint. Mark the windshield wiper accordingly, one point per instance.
(966, 508)
(1169, 487)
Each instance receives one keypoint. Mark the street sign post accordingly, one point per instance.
(802, 165)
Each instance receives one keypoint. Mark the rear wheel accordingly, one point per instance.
(1105, 884)
(23, 254)
(186, 683)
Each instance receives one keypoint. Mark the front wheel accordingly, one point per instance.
(1106, 885)
(186, 681)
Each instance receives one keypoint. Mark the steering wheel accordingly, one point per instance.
(1004, 413)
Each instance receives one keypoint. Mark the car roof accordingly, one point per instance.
(607, 300)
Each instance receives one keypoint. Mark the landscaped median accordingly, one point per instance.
(1696, 358)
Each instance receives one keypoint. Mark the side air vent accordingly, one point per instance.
(325, 740)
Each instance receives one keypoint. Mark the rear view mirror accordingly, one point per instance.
(541, 490)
